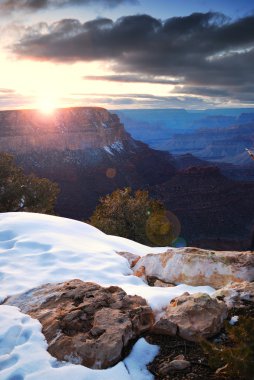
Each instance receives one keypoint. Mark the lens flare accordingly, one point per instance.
(111, 173)
(162, 228)
(179, 243)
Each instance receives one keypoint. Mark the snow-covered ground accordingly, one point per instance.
(36, 249)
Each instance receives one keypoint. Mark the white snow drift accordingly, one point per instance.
(37, 249)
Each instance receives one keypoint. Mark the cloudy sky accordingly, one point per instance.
(127, 53)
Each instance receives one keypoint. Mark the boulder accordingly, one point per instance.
(192, 317)
(234, 294)
(85, 323)
(196, 266)
(130, 257)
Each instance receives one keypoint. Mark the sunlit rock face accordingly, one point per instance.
(25, 131)
(194, 266)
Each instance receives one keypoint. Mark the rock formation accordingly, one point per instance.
(85, 323)
(26, 131)
(85, 150)
(192, 317)
(88, 152)
(214, 211)
(195, 266)
(223, 144)
(235, 294)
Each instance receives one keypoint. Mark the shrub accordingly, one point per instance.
(134, 216)
(20, 192)
(236, 359)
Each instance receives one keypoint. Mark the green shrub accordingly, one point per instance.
(134, 216)
(20, 192)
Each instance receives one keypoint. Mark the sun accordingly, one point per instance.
(46, 106)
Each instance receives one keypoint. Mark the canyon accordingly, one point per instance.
(89, 153)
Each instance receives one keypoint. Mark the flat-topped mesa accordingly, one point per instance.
(78, 128)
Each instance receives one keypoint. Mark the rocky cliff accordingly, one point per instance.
(25, 131)
(85, 150)
(222, 144)
(89, 154)
(214, 211)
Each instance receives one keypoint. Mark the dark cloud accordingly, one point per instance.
(34, 5)
(147, 100)
(127, 78)
(204, 49)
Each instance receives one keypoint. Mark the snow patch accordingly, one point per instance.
(234, 320)
(116, 146)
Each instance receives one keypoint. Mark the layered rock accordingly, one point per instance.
(85, 150)
(192, 317)
(23, 131)
(224, 144)
(196, 266)
(85, 323)
(89, 154)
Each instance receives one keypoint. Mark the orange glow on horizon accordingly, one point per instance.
(46, 106)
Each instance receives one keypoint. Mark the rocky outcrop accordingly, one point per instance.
(235, 294)
(192, 316)
(196, 266)
(85, 323)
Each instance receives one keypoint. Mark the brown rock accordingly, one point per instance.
(195, 266)
(173, 366)
(85, 323)
(194, 316)
(179, 357)
(140, 272)
(179, 365)
(165, 327)
(163, 284)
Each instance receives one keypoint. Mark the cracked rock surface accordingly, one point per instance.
(85, 323)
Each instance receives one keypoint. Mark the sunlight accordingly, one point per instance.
(46, 106)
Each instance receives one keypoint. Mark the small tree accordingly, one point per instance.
(134, 216)
(20, 192)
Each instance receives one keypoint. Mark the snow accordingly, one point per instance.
(116, 146)
(36, 249)
(234, 320)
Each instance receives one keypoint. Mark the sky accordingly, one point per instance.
(192, 54)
